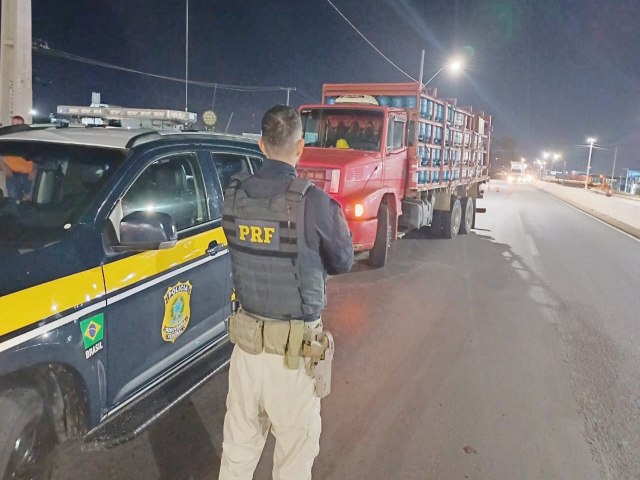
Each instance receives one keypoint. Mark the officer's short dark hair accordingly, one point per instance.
(281, 128)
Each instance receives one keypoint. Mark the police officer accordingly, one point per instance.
(284, 235)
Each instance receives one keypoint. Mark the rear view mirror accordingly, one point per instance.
(140, 231)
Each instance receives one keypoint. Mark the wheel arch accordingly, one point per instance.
(63, 391)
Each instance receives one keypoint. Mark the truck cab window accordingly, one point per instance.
(395, 134)
(352, 128)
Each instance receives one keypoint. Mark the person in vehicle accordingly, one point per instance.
(18, 171)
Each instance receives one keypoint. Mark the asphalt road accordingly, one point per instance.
(509, 353)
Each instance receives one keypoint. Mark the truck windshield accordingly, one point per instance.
(342, 128)
(45, 189)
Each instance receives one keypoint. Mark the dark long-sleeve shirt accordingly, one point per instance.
(325, 227)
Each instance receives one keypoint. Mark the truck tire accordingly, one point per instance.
(27, 436)
(378, 254)
(435, 229)
(451, 220)
(468, 214)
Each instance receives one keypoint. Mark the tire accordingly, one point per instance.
(435, 229)
(27, 436)
(468, 215)
(451, 220)
(378, 254)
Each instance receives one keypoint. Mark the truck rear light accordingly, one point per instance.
(334, 186)
(358, 210)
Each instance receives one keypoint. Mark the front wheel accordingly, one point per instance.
(27, 436)
(378, 254)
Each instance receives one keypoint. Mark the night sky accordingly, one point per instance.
(551, 72)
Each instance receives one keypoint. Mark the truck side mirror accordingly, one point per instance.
(140, 231)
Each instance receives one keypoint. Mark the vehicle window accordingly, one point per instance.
(50, 189)
(256, 163)
(342, 128)
(171, 185)
(395, 134)
(227, 165)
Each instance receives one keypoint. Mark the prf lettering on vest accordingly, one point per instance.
(256, 234)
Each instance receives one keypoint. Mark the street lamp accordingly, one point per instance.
(591, 141)
(454, 65)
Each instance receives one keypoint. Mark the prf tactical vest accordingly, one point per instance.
(275, 273)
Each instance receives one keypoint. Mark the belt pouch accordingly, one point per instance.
(276, 336)
(245, 331)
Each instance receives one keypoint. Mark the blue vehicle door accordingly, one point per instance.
(165, 306)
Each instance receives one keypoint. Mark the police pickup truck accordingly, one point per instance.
(114, 282)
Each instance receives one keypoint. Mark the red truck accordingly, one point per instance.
(396, 158)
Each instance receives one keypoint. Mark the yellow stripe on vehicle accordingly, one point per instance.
(134, 269)
(40, 302)
(21, 309)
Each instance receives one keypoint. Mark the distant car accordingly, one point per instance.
(114, 283)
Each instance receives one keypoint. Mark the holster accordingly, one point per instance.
(319, 352)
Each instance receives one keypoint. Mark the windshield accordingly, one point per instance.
(342, 128)
(47, 189)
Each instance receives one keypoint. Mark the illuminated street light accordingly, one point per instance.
(455, 65)
(591, 141)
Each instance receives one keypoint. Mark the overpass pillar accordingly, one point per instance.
(16, 91)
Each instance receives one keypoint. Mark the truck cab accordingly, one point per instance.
(395, 156)
(356, 152)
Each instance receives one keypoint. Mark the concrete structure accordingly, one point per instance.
(16, 93)
(621, 212)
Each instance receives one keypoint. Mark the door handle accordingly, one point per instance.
(215, 248)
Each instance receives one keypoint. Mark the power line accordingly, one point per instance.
(367, 40)
(76, 58)
(303, 94)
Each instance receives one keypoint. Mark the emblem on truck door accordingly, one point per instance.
(177, 311)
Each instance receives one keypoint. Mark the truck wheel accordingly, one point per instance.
(378, 254)
(468, 214)
(27, 436)
(435, 229)
(451, 220)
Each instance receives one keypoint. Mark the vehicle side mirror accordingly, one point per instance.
(140, 231)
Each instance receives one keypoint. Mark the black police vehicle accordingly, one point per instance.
(114, 282)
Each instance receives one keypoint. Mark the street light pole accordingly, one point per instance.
(613, 169)
(421, 71)
(591, 141)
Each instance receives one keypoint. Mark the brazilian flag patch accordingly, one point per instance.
(92, 334)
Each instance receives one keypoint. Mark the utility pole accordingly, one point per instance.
(591, 141)
(186, 59)
(421, 72)
(228, 123)
(16, 91)
(615, 156)
(289, 93)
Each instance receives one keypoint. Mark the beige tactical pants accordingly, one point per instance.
(265, 395)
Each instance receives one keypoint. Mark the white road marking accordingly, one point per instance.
(532, 246)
